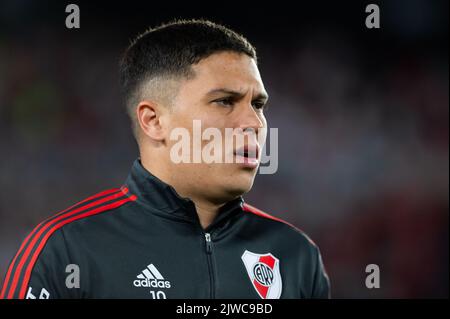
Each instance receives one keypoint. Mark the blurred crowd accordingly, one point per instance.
(363, 148)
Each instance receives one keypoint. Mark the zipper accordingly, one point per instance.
(208, 243)
(209, 251)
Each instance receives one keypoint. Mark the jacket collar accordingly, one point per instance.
(156, 194)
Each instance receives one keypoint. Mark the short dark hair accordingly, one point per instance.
(170, 50)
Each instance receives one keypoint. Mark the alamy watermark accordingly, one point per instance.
(231, 145)
(373, 19)
(373, 277)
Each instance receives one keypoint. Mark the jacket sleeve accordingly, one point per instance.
(321, 285)
(38, 271)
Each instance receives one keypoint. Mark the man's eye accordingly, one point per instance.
(259, 105)
(225, 102)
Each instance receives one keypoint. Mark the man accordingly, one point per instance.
(177, 229)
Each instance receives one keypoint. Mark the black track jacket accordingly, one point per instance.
(144, 241)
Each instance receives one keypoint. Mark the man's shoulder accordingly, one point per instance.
(80, 213)
(289, 231)
(45, 247)
(71, 225)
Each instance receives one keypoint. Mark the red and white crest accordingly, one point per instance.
(264, 273)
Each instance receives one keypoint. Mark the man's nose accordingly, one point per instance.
(249, 119)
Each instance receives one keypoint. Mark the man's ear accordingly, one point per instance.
(148, 115)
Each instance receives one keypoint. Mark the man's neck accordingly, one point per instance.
(206, 210)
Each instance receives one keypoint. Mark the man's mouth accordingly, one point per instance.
(248, 155)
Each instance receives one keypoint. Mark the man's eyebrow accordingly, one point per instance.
(259, 96)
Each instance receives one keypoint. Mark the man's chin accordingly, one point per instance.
(242, 183)
(230, 186)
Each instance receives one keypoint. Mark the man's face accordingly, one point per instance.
(226, 93)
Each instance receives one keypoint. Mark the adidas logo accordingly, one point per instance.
(151, 277)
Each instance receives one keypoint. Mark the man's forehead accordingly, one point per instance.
(229, 70)
(262, 94)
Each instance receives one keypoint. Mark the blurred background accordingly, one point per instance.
(362, 116)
